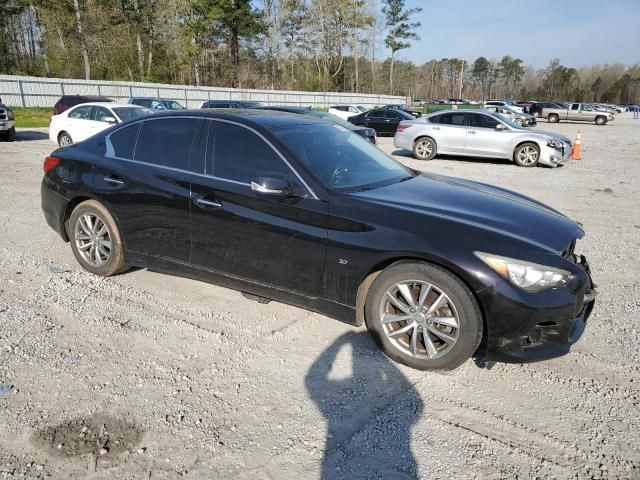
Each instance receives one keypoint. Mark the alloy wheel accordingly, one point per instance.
(65, 140)
(419, 319)
(424, 148)
(528, 155)
(93, 239)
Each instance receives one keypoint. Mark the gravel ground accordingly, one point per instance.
(150, 376)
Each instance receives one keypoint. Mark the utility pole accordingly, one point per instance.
(461, 77)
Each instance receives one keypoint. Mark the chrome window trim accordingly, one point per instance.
(110, 152)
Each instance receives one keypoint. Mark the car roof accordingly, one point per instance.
(286, 108)
(106, 104)
(247, 116)
(155, 98)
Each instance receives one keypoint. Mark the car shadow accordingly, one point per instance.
(369, 407)
(495, 161)
(30, 135)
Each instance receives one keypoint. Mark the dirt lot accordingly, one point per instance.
(150, 376)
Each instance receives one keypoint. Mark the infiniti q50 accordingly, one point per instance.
(287, 207)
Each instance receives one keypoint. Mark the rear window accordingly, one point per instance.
(166, 142)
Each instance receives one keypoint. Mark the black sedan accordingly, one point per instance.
(383, 120)
(403, 108)
(287, 207)
(368, 133)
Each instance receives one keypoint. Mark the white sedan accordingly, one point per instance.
(346, 111)
(87, 119)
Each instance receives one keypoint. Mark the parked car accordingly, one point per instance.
(458, 101)
(503, 103)
(577, 112)
(230, 104)
(404, 109)
(519, 118)
(535, 109)
(85, 120)
(438, 268)
(364, 132)
(67, 101)
(346, 111)
(475, 133)
(382, 120)
(7, 123)
(156, 103)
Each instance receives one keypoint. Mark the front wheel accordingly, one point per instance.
(527, 155)
(424, 148)
(10, 135)
(423, 317)
(95, 239)
(601, 120)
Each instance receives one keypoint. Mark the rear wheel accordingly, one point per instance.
(423, 317)
(527, 155)
(64, 139)
(424, 148)
(553, 118)
(600, 120)
(95, 239)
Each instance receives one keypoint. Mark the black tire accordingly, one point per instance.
(600, 120)
(424, 148)
(10, 135)
(64, 139)
(522, 155)
(553, 118)
(469, 317)
(115, 263)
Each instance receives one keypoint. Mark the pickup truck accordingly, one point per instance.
(7, 124)
(577, 112)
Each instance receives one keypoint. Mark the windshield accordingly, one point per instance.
(330, 118)
(127, 113)
(362, 108)
(341, 159)
(405, 115)
(171, 105)
(507, 121)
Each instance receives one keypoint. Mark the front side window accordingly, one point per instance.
(100, 114)
(236, 153)
(81, 113)
(339, 158)
(166, 142)
(482, 121)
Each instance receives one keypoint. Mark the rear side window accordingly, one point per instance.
(123, 141)
(236, 153)
(166, 142)
(83, 113)
(376, 114)
(452, 119)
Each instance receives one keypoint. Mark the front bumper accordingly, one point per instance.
(6, 125)
(552, 157)
(526, 328)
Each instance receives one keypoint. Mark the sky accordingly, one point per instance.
(578, 32)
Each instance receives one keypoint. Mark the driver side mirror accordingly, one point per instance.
(500, 127)
(271, 186)
(111, 120)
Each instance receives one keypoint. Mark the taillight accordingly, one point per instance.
(49, 163)
(402, 127)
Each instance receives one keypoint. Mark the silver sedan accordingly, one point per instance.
(477, 133)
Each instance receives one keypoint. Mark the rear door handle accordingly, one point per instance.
(113, 180)
(472, 132)
(203, 202)
(436, 128)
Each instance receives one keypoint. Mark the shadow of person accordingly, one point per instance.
(369, 406)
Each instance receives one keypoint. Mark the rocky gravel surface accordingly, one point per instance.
(148, 376)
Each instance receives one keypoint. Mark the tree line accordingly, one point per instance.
(315, 45)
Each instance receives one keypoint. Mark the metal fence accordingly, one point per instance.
(19, 91)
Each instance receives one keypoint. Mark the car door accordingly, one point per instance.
(144, 178)
(574, 112)
(275, 240)
(587, 113)
(79, 123)
(376, 119)
(450, 132)
(392, 119)
(484, 139)
(99, 117)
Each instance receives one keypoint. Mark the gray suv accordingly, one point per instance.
(7, 124)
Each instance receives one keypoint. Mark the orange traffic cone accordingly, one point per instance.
(575, 150)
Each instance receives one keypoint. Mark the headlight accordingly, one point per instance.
(555, 144)
(10, 115)
(530, 277)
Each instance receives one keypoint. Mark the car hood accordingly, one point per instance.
(483, 206)
(545, 134)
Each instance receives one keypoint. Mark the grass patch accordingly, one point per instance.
(32, 117)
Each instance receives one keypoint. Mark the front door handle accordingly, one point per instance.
(203, 202)
(113, 180)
